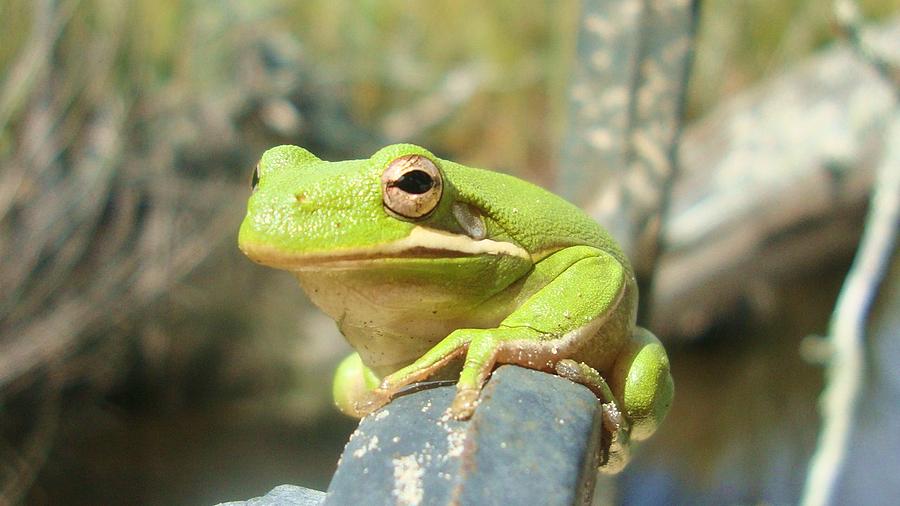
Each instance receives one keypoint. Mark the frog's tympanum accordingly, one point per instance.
(424, 263)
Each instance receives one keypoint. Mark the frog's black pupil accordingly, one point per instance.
(415, 182)
(254, 180)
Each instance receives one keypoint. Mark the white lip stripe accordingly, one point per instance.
(422, 237)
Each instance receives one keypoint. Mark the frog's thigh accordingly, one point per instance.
(352, 381)
(642, 381)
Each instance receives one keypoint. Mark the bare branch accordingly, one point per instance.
(851, 23)
(848, 325)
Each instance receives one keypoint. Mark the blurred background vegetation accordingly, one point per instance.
(143, 360)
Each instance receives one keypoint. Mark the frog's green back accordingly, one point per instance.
(535, 218)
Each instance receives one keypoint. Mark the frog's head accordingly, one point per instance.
(306, 213)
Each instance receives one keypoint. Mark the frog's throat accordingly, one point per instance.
(422, 242)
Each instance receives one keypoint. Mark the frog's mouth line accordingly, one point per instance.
(300, 262)
(422, 242)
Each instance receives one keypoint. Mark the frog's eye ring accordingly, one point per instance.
(254, 179)
(411, 187)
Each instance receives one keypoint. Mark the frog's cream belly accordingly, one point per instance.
(380, 324)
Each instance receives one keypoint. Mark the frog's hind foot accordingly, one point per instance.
(583, 374)
(614, 444)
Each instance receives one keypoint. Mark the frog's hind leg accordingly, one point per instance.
(641, 380)
(352, 382)
(636, 399)
(614, 447)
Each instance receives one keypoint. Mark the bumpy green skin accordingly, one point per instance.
(542, 283)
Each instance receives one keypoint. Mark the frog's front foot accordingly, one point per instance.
(464, 403)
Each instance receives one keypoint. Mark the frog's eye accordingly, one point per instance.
(254, 179)
(411, 186)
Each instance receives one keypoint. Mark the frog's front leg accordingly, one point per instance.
(573, 291)
(480, 347)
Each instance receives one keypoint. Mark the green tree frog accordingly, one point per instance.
(424, 262)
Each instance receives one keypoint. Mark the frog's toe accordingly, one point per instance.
(371, 401)
(615, 447)
(464, 403)
(583, 374)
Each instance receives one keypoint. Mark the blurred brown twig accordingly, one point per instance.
(100, 214)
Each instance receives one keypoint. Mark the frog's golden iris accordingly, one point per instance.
(411, 187)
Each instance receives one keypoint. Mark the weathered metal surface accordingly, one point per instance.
(284, 495)
(532, 440)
